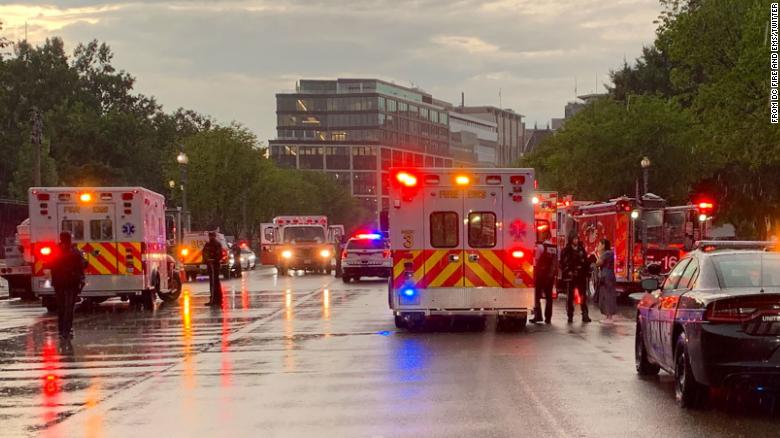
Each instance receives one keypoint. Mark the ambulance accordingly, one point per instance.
(299, 243)
(191, 254)
(119, 230)
(462, 243)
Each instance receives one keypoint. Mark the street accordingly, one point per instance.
(310, 356)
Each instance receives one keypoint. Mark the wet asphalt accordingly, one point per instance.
(308, 356)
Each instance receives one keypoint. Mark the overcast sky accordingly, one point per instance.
(229, 58)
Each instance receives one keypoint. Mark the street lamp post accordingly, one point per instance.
(645, 163)
(183, 160)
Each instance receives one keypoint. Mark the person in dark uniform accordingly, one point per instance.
(67, 279)
(576, 270)
(237, 258)
(212, 256)
(545, 270)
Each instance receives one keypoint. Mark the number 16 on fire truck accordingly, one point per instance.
(462, 242)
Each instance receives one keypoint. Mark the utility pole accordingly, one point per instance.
(36, 138)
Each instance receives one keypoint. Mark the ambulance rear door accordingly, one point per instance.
(483, 242)
(92, 227)
(443, 237)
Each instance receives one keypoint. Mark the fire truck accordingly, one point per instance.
(462, 243)
(119, 230)
(642, 233)
(299, 243)
(191, 254)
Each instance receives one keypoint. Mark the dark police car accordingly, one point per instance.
(715, 321)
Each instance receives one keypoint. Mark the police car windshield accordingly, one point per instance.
(366, 244)
(747, 270)
(304, 234)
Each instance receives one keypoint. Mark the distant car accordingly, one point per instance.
(366, 255)
(715, 321)
(248, 260)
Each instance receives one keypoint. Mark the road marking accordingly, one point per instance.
(555, 425)
(136, 388)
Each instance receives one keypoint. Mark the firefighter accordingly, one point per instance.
(545, 270)
(576, 270)
(67, 279)
(212, 256)
(237, 258)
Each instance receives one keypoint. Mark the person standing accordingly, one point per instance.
(237, 259)
(212, 257)
(606, 291)
(576, 270)
(67, 279)
(545, 269)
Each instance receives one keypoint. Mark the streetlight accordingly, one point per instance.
(645, 163)
(183, 160)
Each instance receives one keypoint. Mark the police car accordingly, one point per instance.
(366, 255)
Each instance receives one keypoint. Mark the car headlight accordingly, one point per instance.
(325, 253)
(287, 254)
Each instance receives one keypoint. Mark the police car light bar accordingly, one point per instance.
(712, 245)
(372, 236)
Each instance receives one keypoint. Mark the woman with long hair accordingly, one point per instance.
(607, 295)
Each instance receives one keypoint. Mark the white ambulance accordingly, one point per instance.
(463, 243)
(120, 231)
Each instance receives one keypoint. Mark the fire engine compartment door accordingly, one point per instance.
(93, 228)
(483, 243)
(443, 237)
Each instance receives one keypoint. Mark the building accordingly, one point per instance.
(535, 136)
(473, 140)
(356, 129)
(510, 129)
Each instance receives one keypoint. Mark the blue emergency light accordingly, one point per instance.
(409, 292)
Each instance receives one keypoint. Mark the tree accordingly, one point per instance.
(596, 155)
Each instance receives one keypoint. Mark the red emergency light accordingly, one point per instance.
(406, 179)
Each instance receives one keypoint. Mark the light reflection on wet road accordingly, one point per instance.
(310, 356)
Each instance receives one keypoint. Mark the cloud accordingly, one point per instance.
(229, 58)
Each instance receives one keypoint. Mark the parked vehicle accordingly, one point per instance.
(714, 321)
(366, 255)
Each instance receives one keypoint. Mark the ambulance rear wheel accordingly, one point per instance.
(148, 297)
(50, 304)
(511, 324)
(400, 322)
(346, 278)
(174, 291)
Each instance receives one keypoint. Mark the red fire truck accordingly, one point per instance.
(642, 233)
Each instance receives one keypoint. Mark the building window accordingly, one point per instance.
(337, 157)
(310, 157)
(385, 203)
(381, 104)
(391, 106)
(444, 229)
(369, 204)
(364, 183)
(364, 157)
(398, 158)
(338, 135)
(342, 178)
(429, 162)
(423, 113)
(385, 183)
(284, 156)
(418, 160)
(482, 230)
(387, 161)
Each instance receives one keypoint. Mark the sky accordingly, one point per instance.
(229, 58)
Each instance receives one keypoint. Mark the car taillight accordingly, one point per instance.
(387, 254)
(740, 309)
(344, 254)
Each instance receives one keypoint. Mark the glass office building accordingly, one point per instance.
(356, 129)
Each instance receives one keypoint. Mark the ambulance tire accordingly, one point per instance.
(50, 304)
(513, 324)
(174, 292)
(148, 297)
(346, 278)
(400, 322)
(415, 323)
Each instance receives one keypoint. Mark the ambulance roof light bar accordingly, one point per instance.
(85, 197)
(462, 180)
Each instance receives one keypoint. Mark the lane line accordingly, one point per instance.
(134, 388)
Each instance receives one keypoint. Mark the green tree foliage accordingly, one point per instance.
(710, 62)
(596, 155)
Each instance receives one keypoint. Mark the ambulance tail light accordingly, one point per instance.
(493, 180)
(43, 196)
(387, 254)
(127, 196)
(44, 250)
(518, 254)
(431, 180)
(343, 254)
(106, 196)
(406, 179)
